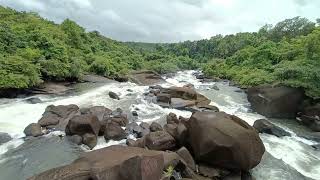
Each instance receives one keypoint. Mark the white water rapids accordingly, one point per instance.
(292, 157)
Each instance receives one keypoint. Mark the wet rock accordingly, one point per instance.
(224, 141)
(144, 125)
(155, 127)
(277, 102)
(83, 124)
(178, 103)
(134, 113)
(314, 136)
(215, 87)
(99, 111)
(264, 126)
(114, 132)
(172, 119)
(316, 146)
(34, 100)
(112, 163)
(163, 97)
(189, 86)
(131, 127)
(76, 139)
(4, 137)
(160, 140)
(57, 117)
(138, 143)
(33, 129)
(113, 95)
(187, 157)
(90, 140)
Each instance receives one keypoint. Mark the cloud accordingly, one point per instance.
(168, 20)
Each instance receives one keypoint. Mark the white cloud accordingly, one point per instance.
(169, 20)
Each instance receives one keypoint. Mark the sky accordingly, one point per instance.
(169, 20)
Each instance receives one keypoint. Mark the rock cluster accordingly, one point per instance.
(208, 145)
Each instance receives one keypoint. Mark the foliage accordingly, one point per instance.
(169, 171)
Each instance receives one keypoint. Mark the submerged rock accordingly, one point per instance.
(34, 100)
(4, 137)
(113, 95)
(264, 126)
(277, 102)
(224, 140)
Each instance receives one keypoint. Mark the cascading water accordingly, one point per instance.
(286, 157)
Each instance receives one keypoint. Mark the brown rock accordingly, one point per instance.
(114, 132)
(172, 119)
(83, 124)
(33, 129)
(90, 140)
(224, 141)
(187, 157)
(160, 140)
(155, 127)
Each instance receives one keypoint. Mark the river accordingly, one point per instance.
(289, 158)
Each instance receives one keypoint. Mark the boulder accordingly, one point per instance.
(224, 141)
(111, 163)
(99, 111)
(135, 113)
(276, 102)
(57, 117)
(90, 140)
(155, 127)
(114, 132)
(122, 78)
(138, 143)
(82, 124)
(4, 137)
(76, 139)
(113, 95)
(264, 126)
(160, 140)
(33, 129)
(145, 78)
(187, 157)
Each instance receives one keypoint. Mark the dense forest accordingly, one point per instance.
(33, 50)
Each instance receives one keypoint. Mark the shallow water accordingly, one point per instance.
(287, 158)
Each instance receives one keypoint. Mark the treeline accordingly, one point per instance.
(287, 53)
(33, 50)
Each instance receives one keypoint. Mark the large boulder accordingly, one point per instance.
(277, 102)
(33, 129)
(160, 140)
(224, 141)
(57, 117)
(111, 163)
(83, 124)
(264, 126)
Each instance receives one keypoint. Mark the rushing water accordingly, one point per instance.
(290, 158)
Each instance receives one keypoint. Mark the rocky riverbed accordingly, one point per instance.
(192, 129)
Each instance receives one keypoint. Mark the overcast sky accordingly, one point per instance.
(169, 20)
